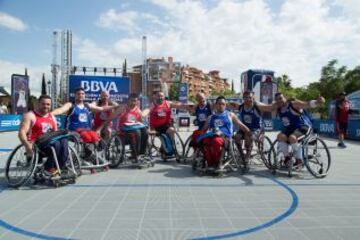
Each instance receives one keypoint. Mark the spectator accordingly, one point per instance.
(3, 108)
(342, 111)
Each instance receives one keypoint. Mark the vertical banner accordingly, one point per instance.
(19, 93)
(183, 93)
(118, 87)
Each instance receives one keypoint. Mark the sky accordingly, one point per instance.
(293, 37)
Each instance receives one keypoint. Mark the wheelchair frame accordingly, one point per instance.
(34, 166)
(229, 155)
(117, 151)
(309, 145)
(98, 149)
(257, 150)
(155, 150)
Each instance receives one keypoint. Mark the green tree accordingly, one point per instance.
(174, 91)
(43, 85)
(352, 80)
(332, 80)
(124, 68)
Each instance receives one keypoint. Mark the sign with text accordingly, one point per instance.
(118, 87)
(183, 92)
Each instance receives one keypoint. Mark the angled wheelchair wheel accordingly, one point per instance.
(19, 167)
(179, 147)
(273, 158)
(317, 157)
(114, 151)
(74, 140)
(75, 163)
(264, 150)
(155, 145)
(188, 150)
(240, 152)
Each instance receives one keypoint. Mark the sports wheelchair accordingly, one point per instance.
(315, 153)
(92, 155)
(118, 151)
(189, 146)
(230, 156)
(259, 151)
(20, 168)
(158, 148)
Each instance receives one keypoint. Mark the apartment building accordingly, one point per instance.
(207, 83)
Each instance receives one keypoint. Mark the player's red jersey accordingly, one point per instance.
(42, 125)
(129, 116)
(160, 115)
(101, 117)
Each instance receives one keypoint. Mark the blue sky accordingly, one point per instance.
(295, 37)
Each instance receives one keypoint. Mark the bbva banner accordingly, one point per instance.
(118, 87)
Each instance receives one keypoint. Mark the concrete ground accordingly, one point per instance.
(170, 201)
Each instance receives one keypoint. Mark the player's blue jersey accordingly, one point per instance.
(80, 117)
(223, 122)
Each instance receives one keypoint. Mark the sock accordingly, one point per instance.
(283, 147)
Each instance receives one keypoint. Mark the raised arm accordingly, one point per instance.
(266, 107)
(64, 109)
(117, 111)
(233, 105)
(25, 126)
(145, 112)
(298, 104)
(94, 108)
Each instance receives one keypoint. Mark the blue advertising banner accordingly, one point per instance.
(118, 87)
(183, 93)
(61, 121)
(19, 93)
(10, 122)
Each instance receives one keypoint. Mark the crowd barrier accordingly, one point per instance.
(325, 127)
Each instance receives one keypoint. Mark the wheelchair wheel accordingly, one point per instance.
(238, 147)
(264, 149)
(317, 157)
(75, 142)
(188, 150)
(19, 167)
(75, 161)
(155, 143)
(273, 159)
(179, 147)
(114, 151)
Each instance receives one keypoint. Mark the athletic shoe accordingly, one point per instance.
(298, 164)
(287, 162)
(341, 145)
(52, 173)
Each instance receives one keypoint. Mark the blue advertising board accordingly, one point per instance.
(118, 87)
(10, 122)
(183, 92)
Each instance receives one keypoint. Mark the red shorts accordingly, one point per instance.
(195, 135)
(212, 150)
(88, 136)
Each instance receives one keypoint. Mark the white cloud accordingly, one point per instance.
(125, 20)
(12, 22)
(90, 54)
(234, 36)
(35, 73)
